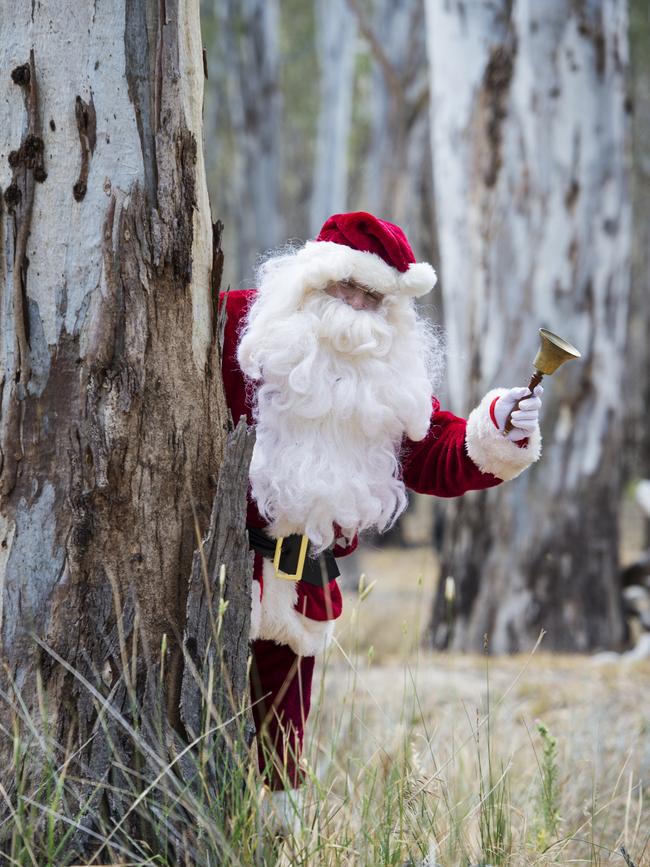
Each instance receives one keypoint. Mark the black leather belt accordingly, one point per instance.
(292, 560)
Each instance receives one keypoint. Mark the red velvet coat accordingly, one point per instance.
(437, 465)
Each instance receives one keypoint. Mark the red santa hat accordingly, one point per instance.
(358, 246)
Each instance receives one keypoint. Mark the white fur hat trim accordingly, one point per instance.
(324, 262)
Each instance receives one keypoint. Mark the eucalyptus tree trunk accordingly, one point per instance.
(247, 78)
(529, 155)
(113, 421)
(397, 183)
(336, 33)
(637, 443)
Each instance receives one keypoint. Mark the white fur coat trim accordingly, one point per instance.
(323, 262)
(490, 450)
(276, 619)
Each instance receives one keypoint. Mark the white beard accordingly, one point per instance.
(338, 390)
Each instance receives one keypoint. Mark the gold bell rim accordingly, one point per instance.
(560, 342)
(553, 352)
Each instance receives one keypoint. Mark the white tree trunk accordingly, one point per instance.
(113, 419)
(529, 155)
(336, 47)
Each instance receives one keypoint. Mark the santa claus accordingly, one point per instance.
(331, 362)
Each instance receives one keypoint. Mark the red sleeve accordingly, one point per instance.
(237, 303)
(343, 546)
(439, 464)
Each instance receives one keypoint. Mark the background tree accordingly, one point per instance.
(530, 118)
(246, 150)
(636, 452)
(113, 420)
(338, 92)
(335, 34)
(397, 149)
(529, 154)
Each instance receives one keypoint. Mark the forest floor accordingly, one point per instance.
(527, 759)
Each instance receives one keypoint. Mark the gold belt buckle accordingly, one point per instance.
(302, 555)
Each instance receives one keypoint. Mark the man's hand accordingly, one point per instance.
(525, 418)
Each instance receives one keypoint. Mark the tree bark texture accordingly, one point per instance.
(218, 619)
(113, 419)
(529, 153)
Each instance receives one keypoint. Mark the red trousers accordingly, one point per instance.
(280, 684)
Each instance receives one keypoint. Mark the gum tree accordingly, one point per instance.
(530, 123)
(246, 104)
(112, 423)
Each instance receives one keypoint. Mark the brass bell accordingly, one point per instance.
(553, 351)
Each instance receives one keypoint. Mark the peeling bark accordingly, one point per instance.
(26, 164)
(87, 126)
(493, 107)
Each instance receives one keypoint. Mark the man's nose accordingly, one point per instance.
(356, 300)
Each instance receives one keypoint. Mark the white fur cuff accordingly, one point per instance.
(490, 450)
(277, 619)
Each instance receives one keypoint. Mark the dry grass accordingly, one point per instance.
(397, 588)
(397, 728)
(414, 758)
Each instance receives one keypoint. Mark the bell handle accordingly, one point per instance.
(535, 380)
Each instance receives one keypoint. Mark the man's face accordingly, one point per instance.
(354, 294)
